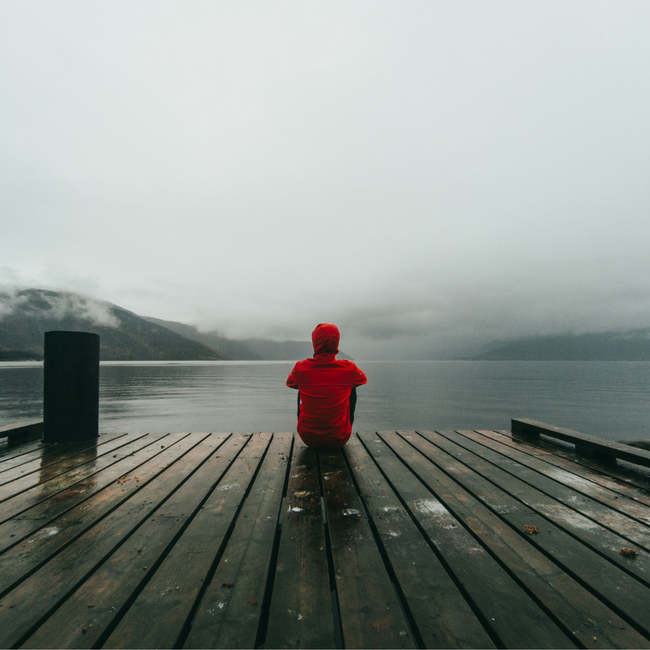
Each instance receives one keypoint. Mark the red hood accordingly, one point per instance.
(326, 339)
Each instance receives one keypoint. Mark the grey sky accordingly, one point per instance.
(428, 175)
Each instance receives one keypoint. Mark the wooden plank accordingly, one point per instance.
(29, 555)
(519, 505)
(584, 443)
(628, 532)
(63, 473)
(301, 613)
(8, 453)
(177, 584)
(22, 432)
(34, 599)
(577, 611)
(47, 455)
(552, 458)
(117, 581)
(442, 617)
(62, 483)
(48, 513)
(371, 614)
(8, 429)
(564, 476)
(231, 608)
(126, 441)
(514, 619)
(630, 474)
(14, 456)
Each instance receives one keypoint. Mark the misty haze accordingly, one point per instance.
(460, 189)
(442, 181)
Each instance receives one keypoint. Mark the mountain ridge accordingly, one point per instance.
(124, 336)
(26, 314)
(250, 349)
(633, 345)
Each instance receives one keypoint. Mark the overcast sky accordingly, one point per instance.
(428, 175)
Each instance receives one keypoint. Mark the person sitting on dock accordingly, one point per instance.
(326, 391)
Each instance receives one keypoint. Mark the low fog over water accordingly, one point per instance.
(430, 176)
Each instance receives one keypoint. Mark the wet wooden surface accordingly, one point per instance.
(402, 539)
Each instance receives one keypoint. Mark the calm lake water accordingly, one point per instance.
(609, 399)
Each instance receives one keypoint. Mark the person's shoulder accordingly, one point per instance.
(302, 364)
(347, 364)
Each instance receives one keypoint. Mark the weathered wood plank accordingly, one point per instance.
(231, 608)
(573, 481)
(629, 474)
(43, 591)
(8, 453)
(371, 614)
(581, 615)
(55, 477)
(16, 456)
(28, 555)
(20, 433)
(519, 505)
(138, 562)
(176, 585)
(55, 487)
(628, 532)
(437, 513)
(301, 614)
(441, 614)
(50, 455)
(584, 443)
(27, 522)
(542, 453)
(5, 429)
(515, 619)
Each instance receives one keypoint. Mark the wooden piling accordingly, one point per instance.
(71, 386)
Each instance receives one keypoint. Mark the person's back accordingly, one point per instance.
(325, 384)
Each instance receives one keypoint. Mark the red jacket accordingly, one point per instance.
(325, 384)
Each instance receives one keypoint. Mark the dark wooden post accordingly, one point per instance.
(71, 386)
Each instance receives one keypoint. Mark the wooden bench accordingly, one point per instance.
(585, 445)
(21, 432)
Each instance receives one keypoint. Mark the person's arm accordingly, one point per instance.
(359, 377)
(292, 382)
(353, 404)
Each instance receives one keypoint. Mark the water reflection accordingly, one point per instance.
(608, 399)
(52, 467)
(199, 396)
(21, 392)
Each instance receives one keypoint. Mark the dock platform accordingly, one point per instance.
(470, 539)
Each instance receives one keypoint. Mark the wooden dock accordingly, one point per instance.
(402, 539)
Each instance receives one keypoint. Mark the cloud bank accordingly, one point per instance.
(430, 176)
(57, 306)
